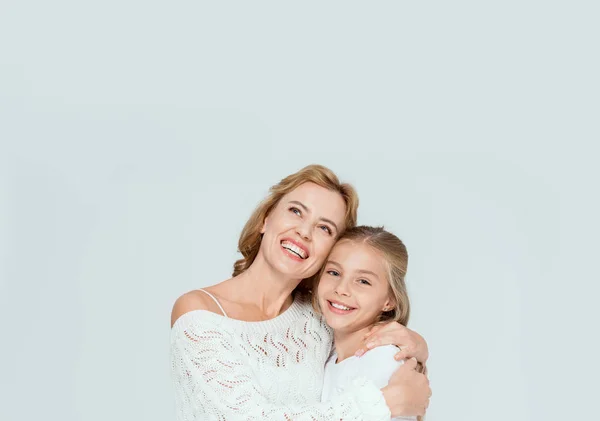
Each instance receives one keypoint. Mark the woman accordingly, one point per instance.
(252, 347)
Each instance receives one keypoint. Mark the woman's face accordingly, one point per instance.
(353, 290)
(300, 231)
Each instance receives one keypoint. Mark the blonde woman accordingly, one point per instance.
(362, 286)
(252, 347)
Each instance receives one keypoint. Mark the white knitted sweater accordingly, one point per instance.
(227, 369)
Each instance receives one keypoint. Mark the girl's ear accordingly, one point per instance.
(390, 304)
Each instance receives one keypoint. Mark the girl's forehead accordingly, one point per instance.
(357, 258)
(351, 246)
(357, 252)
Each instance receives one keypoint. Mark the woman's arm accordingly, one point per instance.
(415, 399)
(213, 380)
(411, 344)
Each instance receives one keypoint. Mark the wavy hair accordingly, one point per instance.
(250, 238)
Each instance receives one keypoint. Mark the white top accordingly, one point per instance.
(377, 365)
(228, 369)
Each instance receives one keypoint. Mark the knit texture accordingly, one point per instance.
(227, 369)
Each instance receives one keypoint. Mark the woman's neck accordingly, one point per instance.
(347, 343)
(262, 287)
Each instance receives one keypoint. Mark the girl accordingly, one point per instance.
(361, 286)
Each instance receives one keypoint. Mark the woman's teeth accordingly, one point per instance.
(294, 249)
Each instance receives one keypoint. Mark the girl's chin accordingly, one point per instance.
(337, 324)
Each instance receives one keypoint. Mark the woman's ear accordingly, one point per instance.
(264, 227)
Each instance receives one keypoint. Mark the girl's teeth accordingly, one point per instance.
(340, 307)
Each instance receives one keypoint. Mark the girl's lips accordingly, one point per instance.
(337, 310)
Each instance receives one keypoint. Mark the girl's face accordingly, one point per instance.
(353, 290)
(300, 231)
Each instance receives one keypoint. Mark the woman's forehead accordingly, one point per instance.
(324, 202)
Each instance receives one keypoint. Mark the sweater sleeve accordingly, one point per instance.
(212, 382)
(378, 365)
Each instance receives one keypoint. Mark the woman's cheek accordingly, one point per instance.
(322, 254)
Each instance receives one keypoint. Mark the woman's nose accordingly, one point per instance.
(303, 231)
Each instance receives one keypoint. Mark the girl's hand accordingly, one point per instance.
(408, 392)
(411, 344)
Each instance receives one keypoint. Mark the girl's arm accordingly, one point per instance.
(379, 365)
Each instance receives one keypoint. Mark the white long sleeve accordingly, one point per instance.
(377, 365)
(226, 369)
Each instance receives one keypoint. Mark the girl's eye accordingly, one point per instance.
(326, 229)
(364, 282)
(295, 210)
(333, 272)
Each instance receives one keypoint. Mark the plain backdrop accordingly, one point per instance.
(136, 137)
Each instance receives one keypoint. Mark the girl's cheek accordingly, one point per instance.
(323, 288)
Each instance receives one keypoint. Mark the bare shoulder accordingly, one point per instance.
(191, 301)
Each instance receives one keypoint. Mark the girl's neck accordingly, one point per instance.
(347, 343)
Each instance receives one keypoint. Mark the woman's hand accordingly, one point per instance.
(411, 344)
(408, 392)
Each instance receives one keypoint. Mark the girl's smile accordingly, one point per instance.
(353, 290)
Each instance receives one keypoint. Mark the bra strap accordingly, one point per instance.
(215, 300)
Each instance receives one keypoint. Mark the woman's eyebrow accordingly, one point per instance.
(303, 206)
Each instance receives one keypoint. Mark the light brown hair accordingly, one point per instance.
(250, 238)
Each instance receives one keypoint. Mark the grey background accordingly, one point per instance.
(137, 136)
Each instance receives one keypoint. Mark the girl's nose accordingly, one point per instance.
(342, 288)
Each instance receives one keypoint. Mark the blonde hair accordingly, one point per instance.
(250, 238)
(395, 255)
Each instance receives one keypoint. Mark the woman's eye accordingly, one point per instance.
(295, 210)
(326, 229)
(364, 282)
(333, 273)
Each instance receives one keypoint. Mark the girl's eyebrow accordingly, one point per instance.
(368, 272)
(363, 271)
